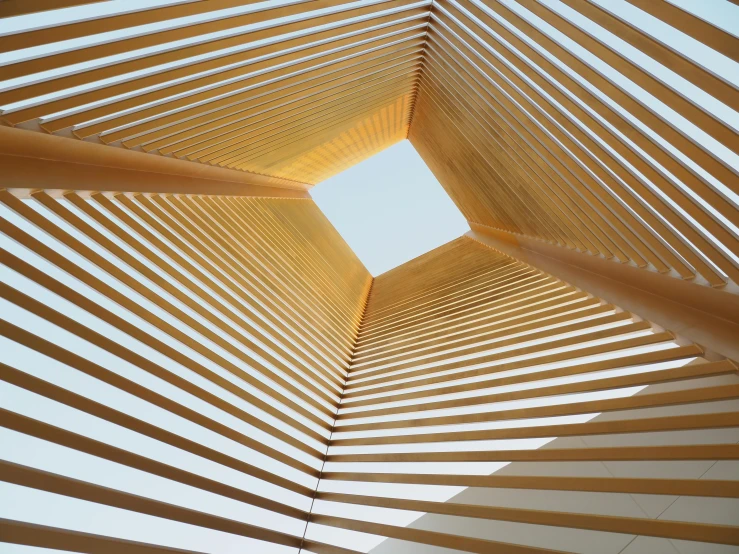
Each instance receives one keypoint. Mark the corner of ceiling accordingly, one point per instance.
(417, 82)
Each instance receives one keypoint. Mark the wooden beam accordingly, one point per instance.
(705, 315)
(31, 160)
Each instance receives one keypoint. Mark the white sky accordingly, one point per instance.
(390, 208)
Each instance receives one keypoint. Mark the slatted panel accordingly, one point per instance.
(202, 345)
(467, 361)
(279, 88)
(234, 333)
(583, 124)
(588, 125)
(190, 350)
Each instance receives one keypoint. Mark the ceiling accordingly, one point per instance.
(604, 128)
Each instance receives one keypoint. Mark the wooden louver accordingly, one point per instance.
(185, 370)
(267, 95)
(200, 302)
(245, 321)
(605, 128)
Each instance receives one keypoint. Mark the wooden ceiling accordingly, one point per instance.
(568, 123)
(244, 335)
(295, 90)
(611, 133)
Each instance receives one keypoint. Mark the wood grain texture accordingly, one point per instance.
(157, 228)
(463, 352)
(516, 143)
(266, 96)
(464, 355)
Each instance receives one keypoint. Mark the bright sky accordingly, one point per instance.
(390, 208)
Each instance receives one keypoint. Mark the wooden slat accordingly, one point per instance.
(492, 304)
(658, 51)
(679, 196)
(126, 279)
(158, 112)
(202, 293)
(208, 118)
(213, 149)
(670, 487)
(62, 437)
(656, 226)
(673, 98)
(58, 484)
(100, 373)
(451, 289)
(431, 538)
(13, 8)
(645, 425)
(659, 376)
(80, 300)
(264, 314)
(161, 93)
(541, 360)
(236, 284)
(73, 400)
(720, 534)
(470, 339)
(520, 308)
(231, 252)
(285, 236)
(636, 108)
(563, 190)
(126, 303)
(378, 370)
(621, 453)
(708, 394)
(42, 536)
(308, 130)
(552, 169)
(699, 29)
(104, 24)
(508, 279)
(371, 72)
(705, 190)
(592, 146)
(60, 60)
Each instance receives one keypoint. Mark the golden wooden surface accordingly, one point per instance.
(574, 159)
(28, 158)
(259, 298)
(360, 379)
(465, 348)
(270, 100)
(167, 191)
(545, 167)
(12, 8)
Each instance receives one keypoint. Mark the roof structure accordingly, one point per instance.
(569, 122)
(194, 355)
